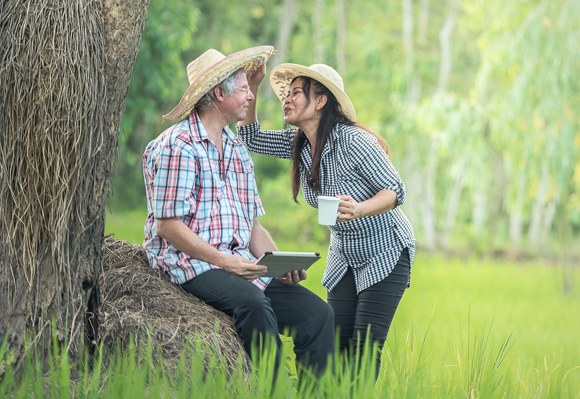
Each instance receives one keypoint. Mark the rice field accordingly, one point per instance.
(467, 328)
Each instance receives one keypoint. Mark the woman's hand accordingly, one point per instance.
(256, 77)
(348, 209)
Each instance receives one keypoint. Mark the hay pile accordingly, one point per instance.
(138, 301)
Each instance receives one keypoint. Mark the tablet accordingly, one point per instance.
(280, 263)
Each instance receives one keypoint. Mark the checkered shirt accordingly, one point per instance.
(218, 201)
(353, 163)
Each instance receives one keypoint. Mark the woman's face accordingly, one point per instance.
(297, 110)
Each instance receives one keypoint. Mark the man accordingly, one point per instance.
(202, 228)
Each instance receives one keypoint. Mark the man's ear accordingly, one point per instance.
(321, 102)
(218, 93)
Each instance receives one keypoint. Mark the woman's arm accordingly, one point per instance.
(376, 170)
(274, 143)
(254, 80)
(349, 209)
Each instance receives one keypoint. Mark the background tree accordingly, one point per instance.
(64, 74)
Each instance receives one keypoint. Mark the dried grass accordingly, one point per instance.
(138, 302)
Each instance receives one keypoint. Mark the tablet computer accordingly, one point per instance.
(280, 263)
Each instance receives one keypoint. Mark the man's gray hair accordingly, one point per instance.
(227, 85)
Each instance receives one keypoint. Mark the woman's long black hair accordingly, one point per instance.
(331, 116)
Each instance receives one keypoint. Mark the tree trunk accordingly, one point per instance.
(445, 43)
(286, 25)
(423, 22)
(318, 31)
(479, 211)
(515, 214)
(413, 80)
(538, 208)
(453, 202)
(64, 79)
(340, 36)
(428, 209)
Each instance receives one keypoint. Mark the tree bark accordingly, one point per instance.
(49, 281)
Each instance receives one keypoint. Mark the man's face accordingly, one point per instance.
(235, 106)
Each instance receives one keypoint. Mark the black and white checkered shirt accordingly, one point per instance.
(353, 163)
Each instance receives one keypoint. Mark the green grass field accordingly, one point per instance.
(469, 327)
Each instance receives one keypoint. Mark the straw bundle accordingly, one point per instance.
(138, 302)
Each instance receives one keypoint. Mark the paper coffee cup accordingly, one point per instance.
(327, 210)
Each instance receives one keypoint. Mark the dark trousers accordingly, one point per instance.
(374, 307)
(266, 314)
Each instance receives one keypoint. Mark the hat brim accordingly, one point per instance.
(282, 76)
(250, 59)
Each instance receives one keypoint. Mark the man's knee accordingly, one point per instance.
(325, 314)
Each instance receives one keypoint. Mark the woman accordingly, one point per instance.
(372, 246)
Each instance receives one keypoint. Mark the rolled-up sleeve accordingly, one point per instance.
(173, 183)
(375, 167)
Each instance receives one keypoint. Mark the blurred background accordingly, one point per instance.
(477, 100)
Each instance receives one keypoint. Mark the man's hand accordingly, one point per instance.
(243, 267)
(293, 278)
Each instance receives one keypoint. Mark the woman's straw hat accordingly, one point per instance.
(282, 75)
(211, 68)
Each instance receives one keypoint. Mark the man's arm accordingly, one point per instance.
(260, 242)
(181, 237)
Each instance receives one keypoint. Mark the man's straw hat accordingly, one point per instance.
(282, 75)
(211, 68)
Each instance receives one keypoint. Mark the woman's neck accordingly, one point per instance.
(311, 131)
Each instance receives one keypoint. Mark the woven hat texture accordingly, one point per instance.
(282, 75)
(211, 68)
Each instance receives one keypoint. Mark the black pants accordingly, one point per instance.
(268, 313)
(374, 307)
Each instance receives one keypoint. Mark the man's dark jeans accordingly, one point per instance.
(309, 318)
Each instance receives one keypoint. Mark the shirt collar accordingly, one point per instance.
(198, 132)
(330, 143)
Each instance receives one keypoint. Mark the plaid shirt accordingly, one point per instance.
(218, 201)
(353, 163)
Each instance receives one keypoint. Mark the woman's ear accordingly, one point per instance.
(321, 102)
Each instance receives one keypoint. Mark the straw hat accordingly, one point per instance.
(282, 75)
(211, 68)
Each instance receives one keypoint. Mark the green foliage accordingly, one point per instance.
(158, 81)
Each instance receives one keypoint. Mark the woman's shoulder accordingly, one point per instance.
(355, 135)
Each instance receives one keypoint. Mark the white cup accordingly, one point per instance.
(327, 210)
